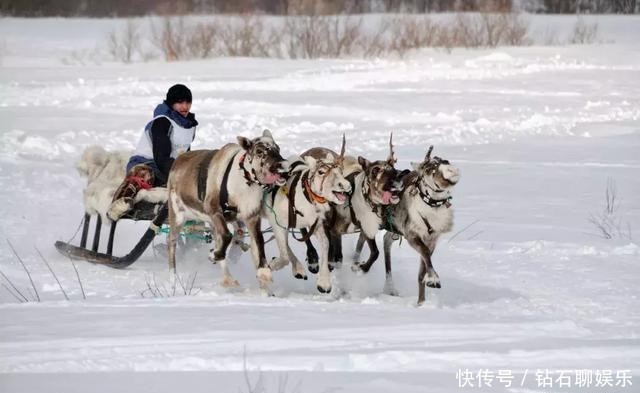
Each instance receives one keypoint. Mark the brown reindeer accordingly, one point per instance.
(219, 186)
(374, 186)
(423, 214)
(313, 186)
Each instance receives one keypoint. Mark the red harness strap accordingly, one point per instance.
(140, 182)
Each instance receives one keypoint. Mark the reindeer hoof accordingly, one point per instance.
(323, 290)
(300, 276)
(432, 280)
(215, 256)
(334, 265)
(228, 282)
(277, 263)
(313, 268)
(433, 284)
(360, 267)
(420, 303)
(391, 292)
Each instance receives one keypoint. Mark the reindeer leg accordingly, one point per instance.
(359, 246)
(373, 256)
(281, 260)
(176, 221)
(324, 276)
(421, 274)
(312, 253)
(427, 275)
(218, 254)
(222, 235)
(335, 249)
(263, 272)
(389, 288)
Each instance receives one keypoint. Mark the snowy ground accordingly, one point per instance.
(528, 283)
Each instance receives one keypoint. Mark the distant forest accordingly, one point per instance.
(129, 8)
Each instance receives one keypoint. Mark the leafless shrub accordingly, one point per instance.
(314, 34)
(175, 287)
(200, 42)
(550, 37)
(306, 36)
(123, 45)
(516, 30)
(243, 37)
(18, 295)
(33, 285)
(342, 34)
(467, 31)
(84, 295)
(52, 273)
(411, 32)
(608, 222)
(259, 385)
(584, 33)
(374, 44)
(168, 37)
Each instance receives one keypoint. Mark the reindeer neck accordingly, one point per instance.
(432, 200)
(311, 196)
(367, 218)
(249, 179)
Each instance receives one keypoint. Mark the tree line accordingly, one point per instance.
(128, 8)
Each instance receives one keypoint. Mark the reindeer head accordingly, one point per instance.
(436, 176)
(326, 179)
(380, 184)
(263, 159)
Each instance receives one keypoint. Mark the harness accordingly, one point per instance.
(245, 173)
(227, 210)
(426, 198)
(203, 173)
(293, 212)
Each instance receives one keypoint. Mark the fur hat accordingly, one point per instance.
(178, 93)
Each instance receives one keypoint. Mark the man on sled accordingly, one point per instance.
(164, 138)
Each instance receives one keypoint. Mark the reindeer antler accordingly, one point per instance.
(392, 155)
(428, 157)
(341, 158)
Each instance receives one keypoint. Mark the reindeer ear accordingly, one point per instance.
(364, 163)
(415, 165)
(310, 161)
(245, 143)
(267, 133)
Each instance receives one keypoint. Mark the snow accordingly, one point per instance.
(528, 283)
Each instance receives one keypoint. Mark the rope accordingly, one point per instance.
(264, 201)
(77, 230)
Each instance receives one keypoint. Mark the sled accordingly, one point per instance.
(142, 211)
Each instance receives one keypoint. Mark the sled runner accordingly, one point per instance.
(142, 211)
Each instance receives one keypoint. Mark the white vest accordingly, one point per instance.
(180, 138)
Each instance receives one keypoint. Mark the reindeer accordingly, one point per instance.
(220, 186)
(314, 183)
(374, 186)
(423, 214)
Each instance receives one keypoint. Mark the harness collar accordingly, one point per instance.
(426, 198)
(311, 196)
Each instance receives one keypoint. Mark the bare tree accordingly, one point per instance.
(123, 45)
